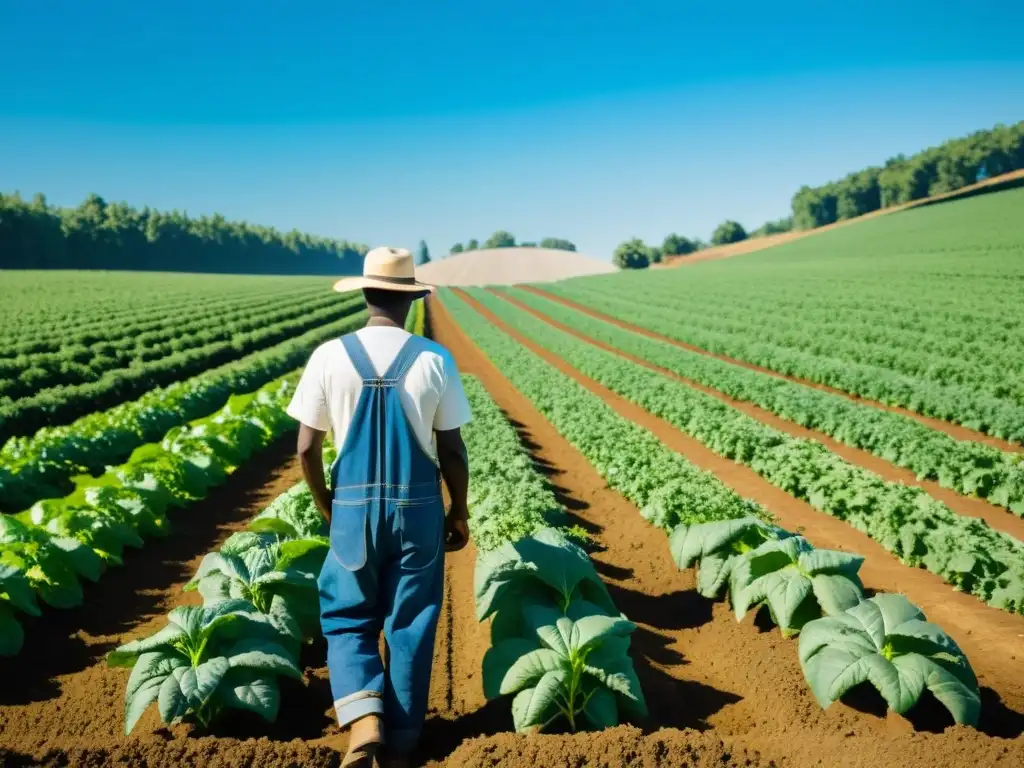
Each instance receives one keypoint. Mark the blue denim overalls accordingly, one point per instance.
(386, 566)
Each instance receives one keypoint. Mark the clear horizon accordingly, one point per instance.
(588, 121)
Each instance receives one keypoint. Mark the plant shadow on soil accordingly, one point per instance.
(930, 716)
(63, 642)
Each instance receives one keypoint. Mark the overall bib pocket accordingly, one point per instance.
(349, 532)
(421, 527)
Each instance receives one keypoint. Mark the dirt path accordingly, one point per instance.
(701, 669)
(60, 704)
(953, 430)
(997, 517)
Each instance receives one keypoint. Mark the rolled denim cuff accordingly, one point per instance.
(357, 705)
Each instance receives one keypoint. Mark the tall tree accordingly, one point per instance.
(632, 254)
(677, 245)
(457, 248)
(473, 245)
(728, 232)
(501, 239)
(423, 255)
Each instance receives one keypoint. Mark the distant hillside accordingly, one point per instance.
(510, 266)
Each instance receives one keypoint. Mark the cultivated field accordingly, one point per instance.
(772, 514)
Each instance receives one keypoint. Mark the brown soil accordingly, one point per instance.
(60, 705)
(612, 748)
(722, 692)
(760, 243)
(956, 431)
(997, 517)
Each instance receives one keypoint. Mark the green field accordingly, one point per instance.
(921, 309)
(824, 434)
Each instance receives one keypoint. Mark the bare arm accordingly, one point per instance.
(310, 451)
(454, 462)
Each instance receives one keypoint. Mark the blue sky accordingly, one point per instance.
(390, 122)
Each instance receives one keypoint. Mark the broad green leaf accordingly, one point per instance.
(797, 582)
(214, 588)
(128, 654)
(713, 574)
(529, 668)
(16, 590)
(144, 684)
(500, 658)
(887, 642)
(264, 656)
(592, 630)
(534, 707)
(250, 690)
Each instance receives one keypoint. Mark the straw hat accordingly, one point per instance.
(388, 269)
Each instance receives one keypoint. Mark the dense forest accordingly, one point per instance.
(950, 166)
(102, 235)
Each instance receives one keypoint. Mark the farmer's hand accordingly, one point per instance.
(456, 533)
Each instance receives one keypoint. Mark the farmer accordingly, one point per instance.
(387, 396)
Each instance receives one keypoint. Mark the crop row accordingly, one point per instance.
(40, 466)
(944, 351)
(813, 592)
(60, 405)
(558, 643)
(916, 528)
(121, 322)
(984, 372)
(49, 549)
(951, 402)
(74, 364)
(973, 469)
(260, 606)
(46, 307)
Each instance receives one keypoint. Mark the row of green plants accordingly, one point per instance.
(559, 646)
(60, 405)
(75, 363)
(857, 303)
(47, 551)
(919, 530)
(976, 366)
(41, 466)
(845, 640)
(117, 312)
(751, 342)
(970, 468)
(260, 608)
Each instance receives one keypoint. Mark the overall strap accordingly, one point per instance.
(357, 354)
(404, 359)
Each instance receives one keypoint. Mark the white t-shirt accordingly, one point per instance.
(431, 391)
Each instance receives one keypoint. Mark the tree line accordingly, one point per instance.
(636, 254)
(503, 239)
(948, 167)
(102, 235)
